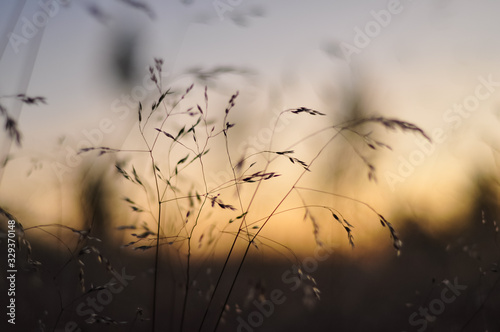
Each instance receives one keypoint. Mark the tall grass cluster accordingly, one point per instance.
(182, 225)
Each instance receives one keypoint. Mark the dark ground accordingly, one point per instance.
(355, 295)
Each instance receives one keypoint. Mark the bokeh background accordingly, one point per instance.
(431, 63)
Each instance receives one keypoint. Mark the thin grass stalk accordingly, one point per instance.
(157, 249)
(188, 263)
(243, 222)
(240, 265)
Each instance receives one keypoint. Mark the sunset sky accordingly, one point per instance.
(412, 60)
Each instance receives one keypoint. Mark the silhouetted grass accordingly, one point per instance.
(173, 199)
